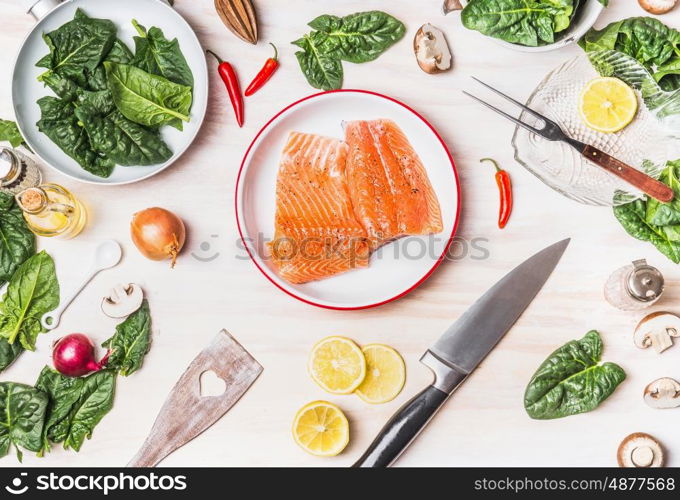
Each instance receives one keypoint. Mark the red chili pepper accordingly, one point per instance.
(230, 79)
(505, 191)
(265, 73)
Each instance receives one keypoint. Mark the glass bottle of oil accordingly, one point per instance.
(51, 210)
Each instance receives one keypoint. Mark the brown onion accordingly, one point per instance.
(158, 234)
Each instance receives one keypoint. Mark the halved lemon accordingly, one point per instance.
(607, 104)
(337, 365)
(321, 429)
(385, 374)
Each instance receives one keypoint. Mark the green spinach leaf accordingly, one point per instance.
(121, 140)
(9, 132)
(131, 342)
(322, 71)
(76, 405)
(119, 53)
(22, 416)
(359, 37)
(17, 242)
(60, 124)
(45, 61)
(572, 380)
(666, 214)
(524, 22)
(9, 353)
(99, 102)
(79, 45)
(157, 55)
(64, 87)
(32, 292)
(147, 99)
(649, 41)
(653, 221)
(633, 217)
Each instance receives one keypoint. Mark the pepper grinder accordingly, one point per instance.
(634, 287)
(17, 171)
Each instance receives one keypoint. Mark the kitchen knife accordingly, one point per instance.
(460, 350)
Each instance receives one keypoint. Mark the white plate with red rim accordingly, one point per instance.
(395, 269)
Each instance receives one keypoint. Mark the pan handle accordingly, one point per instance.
(39, 8)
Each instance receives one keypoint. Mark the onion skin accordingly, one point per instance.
(73, 356)
(158, 234)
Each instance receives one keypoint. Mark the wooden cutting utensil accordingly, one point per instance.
(239, 17)
(185, 413)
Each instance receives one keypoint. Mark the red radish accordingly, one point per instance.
(73, 356)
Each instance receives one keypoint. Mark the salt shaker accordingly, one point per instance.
(17, 171)
(634, 287)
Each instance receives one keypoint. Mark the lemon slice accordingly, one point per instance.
(385, 374)
(337, 365)
(607, 104)
(321, 429)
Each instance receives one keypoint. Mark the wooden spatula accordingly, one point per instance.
(185, 413)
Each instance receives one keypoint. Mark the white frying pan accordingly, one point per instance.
(26, 90)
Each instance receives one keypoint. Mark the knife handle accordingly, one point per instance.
(402, 428)
(645, 183)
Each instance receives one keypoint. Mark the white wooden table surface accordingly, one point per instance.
(484, 424)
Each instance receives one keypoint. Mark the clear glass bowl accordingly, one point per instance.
(644, 144)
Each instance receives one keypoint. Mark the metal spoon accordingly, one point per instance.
(106, 255)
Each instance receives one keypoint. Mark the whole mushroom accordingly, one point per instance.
(432, 50)
(640, 450)
(657, 6)
(657, 330)
(663, 393)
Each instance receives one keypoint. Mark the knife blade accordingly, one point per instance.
(460, 350)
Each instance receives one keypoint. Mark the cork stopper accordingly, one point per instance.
(32, 199)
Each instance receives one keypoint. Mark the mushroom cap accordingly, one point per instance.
(451, 5)
(431, 49)
(657, 6)
(663, 393)
(656, 329)
(122, 300)
(640, 450)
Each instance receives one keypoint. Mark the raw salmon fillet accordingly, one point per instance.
(317, 234)
(389, 189)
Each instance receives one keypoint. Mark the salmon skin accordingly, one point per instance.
(338, 201)
(389, 188)
(316, 232)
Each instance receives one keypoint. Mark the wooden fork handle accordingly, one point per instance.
(640, 180)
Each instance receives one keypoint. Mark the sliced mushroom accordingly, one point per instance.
(663, 393)
(432, 51)
(451, 5)
(657, 6)
(640, 450)
(657, 330)
(122, 300)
